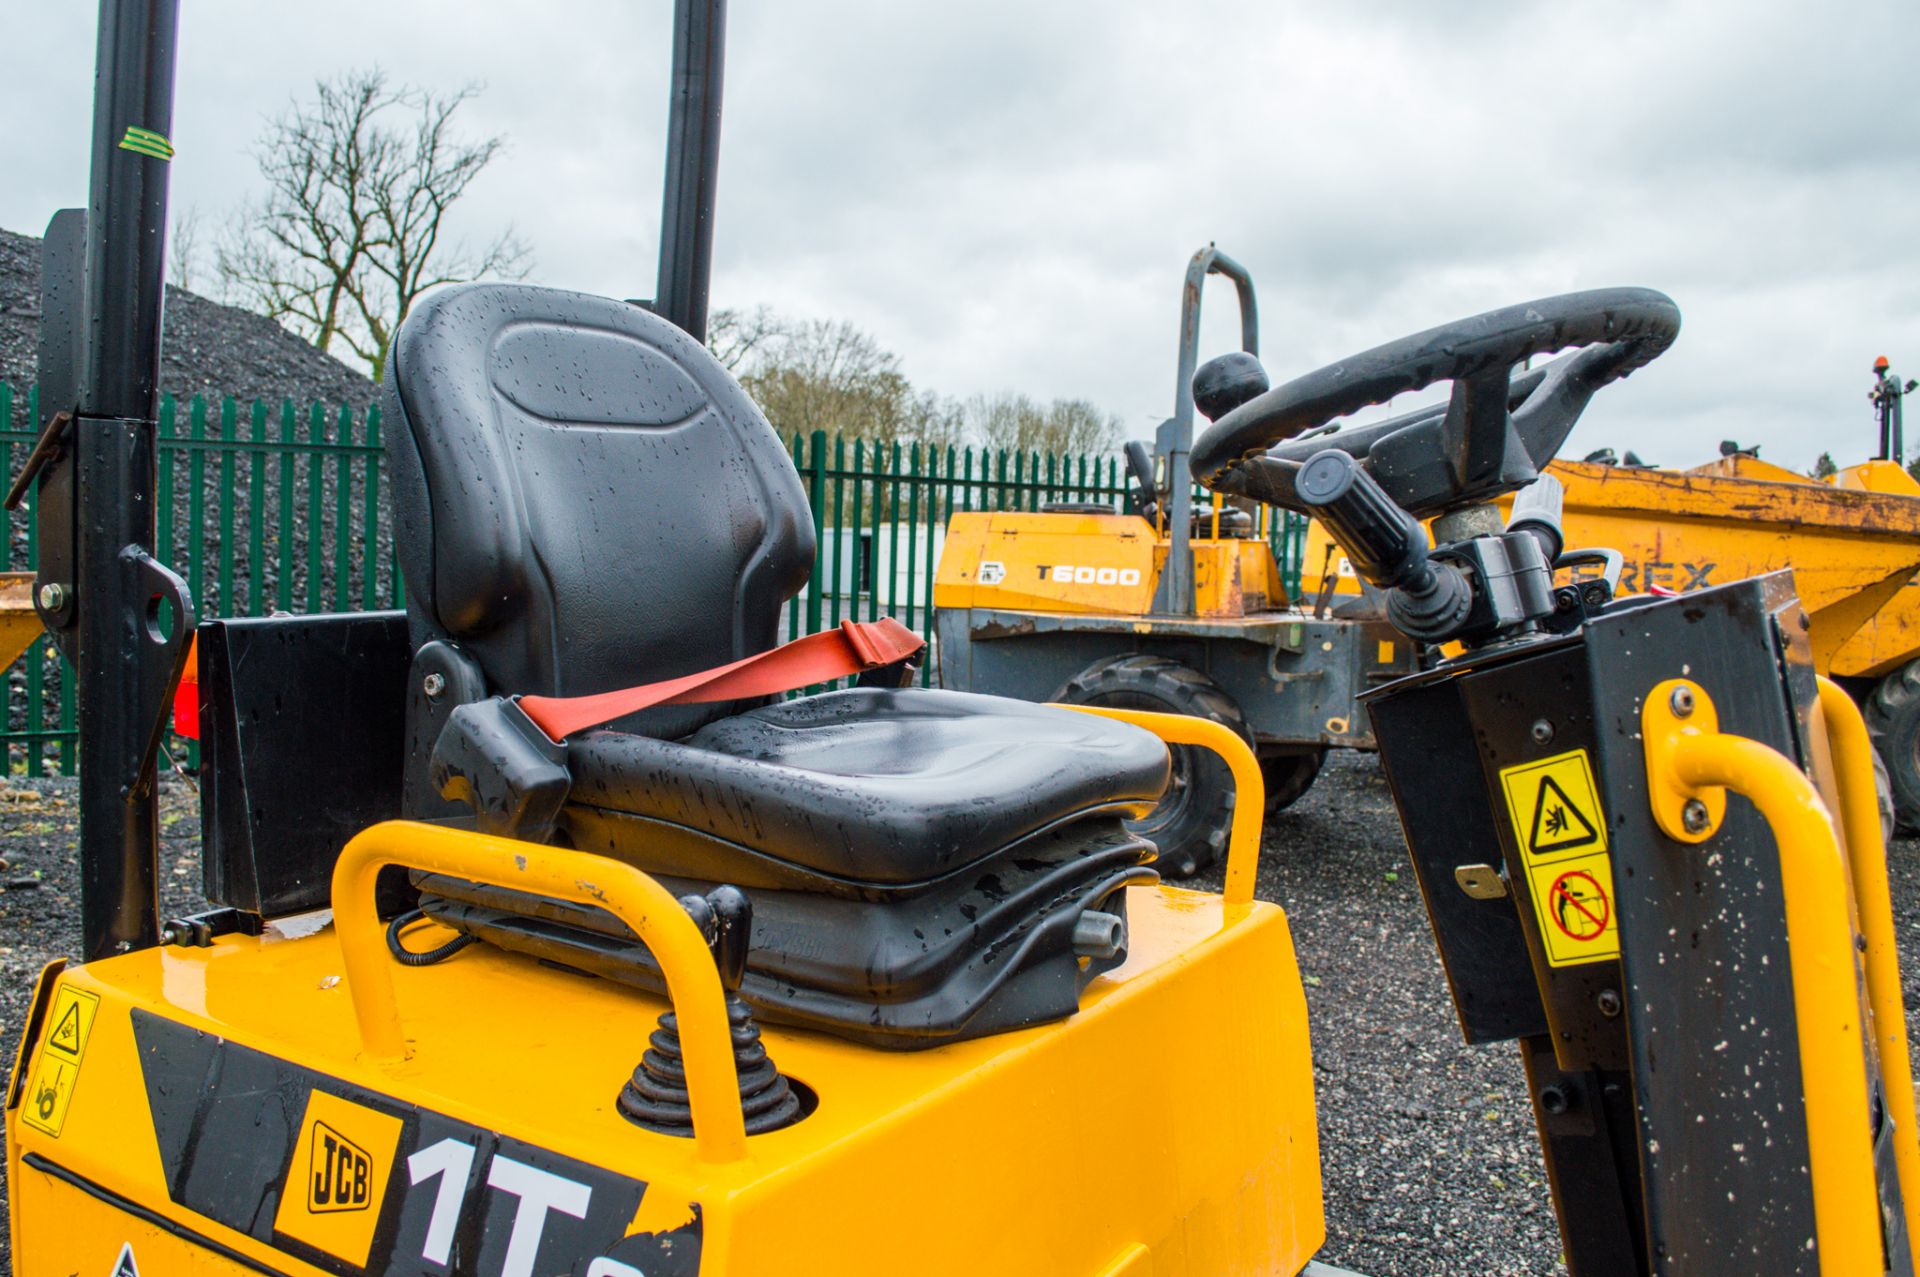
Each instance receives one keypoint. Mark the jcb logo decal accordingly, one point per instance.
(345, 1156)
(342, 1172)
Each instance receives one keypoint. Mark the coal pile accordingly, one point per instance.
(206, 348)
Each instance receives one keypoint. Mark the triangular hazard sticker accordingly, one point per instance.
(66, 1034)
(124, 1266)
(1558, 822)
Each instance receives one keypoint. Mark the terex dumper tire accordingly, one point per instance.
(1190, 824)
(1893, 720)
(1289, 774)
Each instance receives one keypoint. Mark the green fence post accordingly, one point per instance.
(229, 444)
(196, 522)
(164, 452)
(316, 509)
(370, 514)
(817, 501)
(839, 522)
(343, 511)
(283, 588)
(916, 615)
(257, 512)
(893, 538)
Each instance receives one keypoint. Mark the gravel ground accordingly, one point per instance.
(1427, 1145)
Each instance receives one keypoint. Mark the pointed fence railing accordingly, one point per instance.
(286, 508)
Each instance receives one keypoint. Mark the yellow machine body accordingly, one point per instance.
(1092, 564)
(1852, 541)
(19, 623)
(1036, 1151)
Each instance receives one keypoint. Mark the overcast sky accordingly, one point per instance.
(1006, 193)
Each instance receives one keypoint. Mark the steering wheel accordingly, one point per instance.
(1490, 438)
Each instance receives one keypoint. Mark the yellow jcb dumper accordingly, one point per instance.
(543, 944)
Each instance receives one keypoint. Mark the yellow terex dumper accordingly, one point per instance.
(517, 970)
(1852, 541)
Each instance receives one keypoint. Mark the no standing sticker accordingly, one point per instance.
(1555, 808)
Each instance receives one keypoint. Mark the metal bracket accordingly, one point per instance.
(1676, 710)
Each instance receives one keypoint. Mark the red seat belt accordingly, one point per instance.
(854, 648)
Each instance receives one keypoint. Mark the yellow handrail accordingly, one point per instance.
(1686, 762)
(649, 909)
(1867, 858)
(1249, 787)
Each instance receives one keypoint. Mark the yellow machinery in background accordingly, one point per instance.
(1852, 541)
(875, 980)
(19, 623)
(1168, 606)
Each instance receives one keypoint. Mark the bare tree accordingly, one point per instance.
(184, 249)
(1014, 421)
(827, 374)
(351, 230)
(830, 375)
(737, 337)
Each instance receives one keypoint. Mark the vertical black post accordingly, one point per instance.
(121, 600)
(693, 164)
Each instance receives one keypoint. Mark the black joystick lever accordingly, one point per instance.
(1386, 545)
(656, 1095)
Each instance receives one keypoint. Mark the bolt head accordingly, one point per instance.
(1608, 1002)
(53, 597)
(433, 684)
(1542, 731)
(1681, 701)
(1693, 816)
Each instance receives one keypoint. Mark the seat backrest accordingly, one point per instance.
(584, 499)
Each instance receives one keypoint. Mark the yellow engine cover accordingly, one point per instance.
(211, 1111)
(1104, 564)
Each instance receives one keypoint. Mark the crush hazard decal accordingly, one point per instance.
(57, 1072)
(1555, 809)
(354, 1182)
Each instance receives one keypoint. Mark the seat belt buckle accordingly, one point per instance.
(498, 761)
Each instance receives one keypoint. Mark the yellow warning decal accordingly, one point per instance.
(57, 1071)
(1555, 808)
(338, 1176)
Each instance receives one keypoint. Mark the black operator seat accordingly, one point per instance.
(586, 500)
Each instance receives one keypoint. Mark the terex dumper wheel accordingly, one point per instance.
(1289, 773)
(1893, 720)
(1190, 824)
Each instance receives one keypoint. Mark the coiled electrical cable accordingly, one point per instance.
(406, 956)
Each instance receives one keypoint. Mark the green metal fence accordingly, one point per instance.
(261, 507)
(267, 508)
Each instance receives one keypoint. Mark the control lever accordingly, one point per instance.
(1537, 509)
(1146, 491)
(1428, 598)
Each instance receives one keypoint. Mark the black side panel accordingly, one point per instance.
(587, 499)
(302, 738)
(1433, 766)
(1704, 950)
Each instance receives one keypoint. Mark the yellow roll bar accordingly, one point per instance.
(1687, 761)
(1867, 858)
(1249, 787)
(649, 909)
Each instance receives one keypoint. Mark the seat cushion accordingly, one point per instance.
(892, 788)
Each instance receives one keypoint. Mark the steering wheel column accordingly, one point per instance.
(1373, 486)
